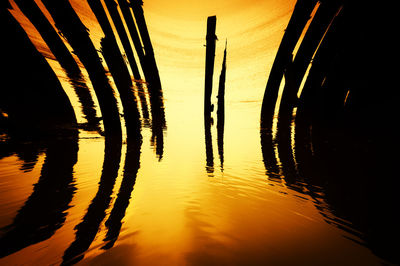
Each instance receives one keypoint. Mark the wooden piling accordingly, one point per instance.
(64, 57)
(68, 22)
(134, 35)
(152, 76)
(130, 23)
(298, 20)
(32, 95)
(210, 57)
(119, 71)
(151, 64)
(221, 110)
(116, 18)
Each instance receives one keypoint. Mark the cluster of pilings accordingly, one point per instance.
(36, 115)
(20, 101)
(327, 118)
(211, 39)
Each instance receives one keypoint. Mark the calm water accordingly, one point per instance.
(167, 205)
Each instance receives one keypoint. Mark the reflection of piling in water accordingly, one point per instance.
(44, 212)
(158, 125)
(31, 95)
(87, 230)
(119, 70)
(221, 110)
(64, 57)
(268, 153)
(131, 167)
(68, 22)
(210, 57)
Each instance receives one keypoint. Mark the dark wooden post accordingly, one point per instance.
(221, 110)
(210, 57)
(298, 20)
(68, 22)
(64, 57)
(148, 47)
(116, 18)
(130, 23)
(119, 71)
(153, 78)
(33, 97)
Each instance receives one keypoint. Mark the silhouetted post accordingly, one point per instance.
(209, 146)
(36, 99)
(298, 20)
(64, 57)
(153, 78)
(119, 71)
(68, 22)
(148, 47)
(295, 72)
(221, 110)
(49, 35)
(130, 23)
(210, 56)
(116, 18)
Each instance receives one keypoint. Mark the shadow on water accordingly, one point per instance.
(334, 134)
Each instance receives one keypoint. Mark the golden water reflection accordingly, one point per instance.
(160, 199)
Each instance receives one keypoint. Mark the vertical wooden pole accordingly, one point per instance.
(210, 57)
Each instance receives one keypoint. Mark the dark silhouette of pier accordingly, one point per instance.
(335, 124)
(39, 118)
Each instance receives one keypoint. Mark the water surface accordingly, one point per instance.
(160, 201)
